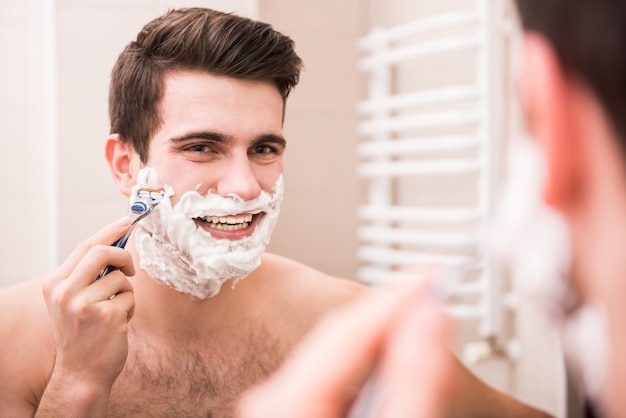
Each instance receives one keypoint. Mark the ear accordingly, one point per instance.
(124, 163)
(547, 95)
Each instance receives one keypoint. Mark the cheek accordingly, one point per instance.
(268, 177)
(267, 180)
(180, 177)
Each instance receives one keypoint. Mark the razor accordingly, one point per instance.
(145, 200)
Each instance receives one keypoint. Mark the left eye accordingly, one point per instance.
(264, 149)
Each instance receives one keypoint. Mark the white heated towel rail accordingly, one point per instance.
(448, 135)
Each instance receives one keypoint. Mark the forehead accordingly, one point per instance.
(197, 101)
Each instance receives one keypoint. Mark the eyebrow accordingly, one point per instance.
(213, 136)
(278, 140)
(227, 139)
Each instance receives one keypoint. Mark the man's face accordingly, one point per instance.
(222, 135)
(219, 155)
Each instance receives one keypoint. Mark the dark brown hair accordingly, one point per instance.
(588, 37)
(192, 39)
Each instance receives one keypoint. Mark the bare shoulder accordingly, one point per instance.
(301, 295)
(301, 280)
(27, 349)
(22, 307)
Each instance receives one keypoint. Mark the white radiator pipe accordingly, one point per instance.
(416, 27)
(418, 145)
(406, 53)
(394, 257)
(430, 120)
(381, 275)
(390, 235)
(418, 214)
(414, 168)
(419, 98)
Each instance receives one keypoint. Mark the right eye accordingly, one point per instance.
(199, 148)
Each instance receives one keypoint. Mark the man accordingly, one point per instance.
(194, 312)
(572, 87)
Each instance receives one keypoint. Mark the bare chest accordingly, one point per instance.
(203, 380)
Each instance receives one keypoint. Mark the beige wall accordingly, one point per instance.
(317, 225)
(25, 117)
(535, 376)
(47, 211)
(318, 221)
(90, 35)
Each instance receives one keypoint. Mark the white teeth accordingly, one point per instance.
(228, 223)
(226, 227)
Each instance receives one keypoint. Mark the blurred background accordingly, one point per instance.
(396, 136)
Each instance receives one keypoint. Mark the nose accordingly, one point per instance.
(238, 178)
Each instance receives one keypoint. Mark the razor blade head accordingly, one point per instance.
(139, 206)
(152, 195)
(145, 199)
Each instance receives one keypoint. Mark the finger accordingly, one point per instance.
(106, 236)
(98, 257)
(122, 302)
(115, 284)
(336, 355)
(417, 365)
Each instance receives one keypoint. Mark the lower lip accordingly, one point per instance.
(231, 235)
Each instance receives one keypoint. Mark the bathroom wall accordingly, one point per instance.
(54, 101)
(26, 118)
(318, 222)
(535, 373)
(90, 35)
(56, 59)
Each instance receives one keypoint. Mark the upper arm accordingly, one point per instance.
(20, 359)
(473, 397)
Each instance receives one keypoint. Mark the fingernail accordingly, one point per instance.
(123, 221)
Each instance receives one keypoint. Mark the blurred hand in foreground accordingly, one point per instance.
(399, 335)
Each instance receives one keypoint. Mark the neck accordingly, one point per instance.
(162, 310)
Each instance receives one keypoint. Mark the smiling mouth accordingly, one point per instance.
(228, 223)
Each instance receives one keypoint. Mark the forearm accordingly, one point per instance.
(492, 404)
(474, 398)
(73, 398)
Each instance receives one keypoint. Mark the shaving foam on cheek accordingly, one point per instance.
(147, 179)
(175, 251)
(533, 242)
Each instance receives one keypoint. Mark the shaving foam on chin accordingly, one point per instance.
(175, 251)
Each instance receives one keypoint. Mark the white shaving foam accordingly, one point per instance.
(176, 252)
(532, 240)
(147, 177)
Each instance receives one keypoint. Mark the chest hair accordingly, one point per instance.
(200, 379)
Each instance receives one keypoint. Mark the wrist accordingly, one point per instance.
(74, 396)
